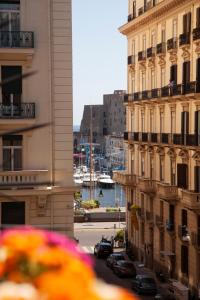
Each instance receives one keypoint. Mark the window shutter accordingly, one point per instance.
(189, 22)
(173, 73)
(198, 17)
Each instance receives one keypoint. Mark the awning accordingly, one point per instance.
(167, 253)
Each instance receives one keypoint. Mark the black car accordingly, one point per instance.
(144, 284)
(113, 258)
(103, 249)
(124, 268)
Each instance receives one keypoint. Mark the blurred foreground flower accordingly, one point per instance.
(41, 265)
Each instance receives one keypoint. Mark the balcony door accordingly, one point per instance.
(12, 152)
(182, 176)
(9, 22)
(12, 213)
(186, 76)
(184, 126)
(11, 92)
(198, 76)
(197, 179)
(197, 127)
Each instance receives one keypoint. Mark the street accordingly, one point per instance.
(88, 235)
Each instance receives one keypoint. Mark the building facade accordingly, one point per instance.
(162, 137)
(36, 165)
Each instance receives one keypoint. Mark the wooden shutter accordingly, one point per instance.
(198, 17)
(173, 73)
(182, 175)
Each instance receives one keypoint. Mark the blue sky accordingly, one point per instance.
(99, 51)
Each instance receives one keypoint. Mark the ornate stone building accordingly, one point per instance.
(36, 165)
(162, 179)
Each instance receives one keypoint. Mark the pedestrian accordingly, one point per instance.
(171, 85)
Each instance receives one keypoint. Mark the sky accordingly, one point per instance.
(99, 51)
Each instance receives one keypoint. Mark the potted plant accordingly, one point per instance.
(119, 238)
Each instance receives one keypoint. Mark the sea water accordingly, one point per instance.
(113, 197)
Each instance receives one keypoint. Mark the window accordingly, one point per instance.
(161, 122)
(182, 176)
(151, 168)
(173, 172)
(187, 23)
(12, 152)
(133, 47)
(142, 166)
(174, 28)
(198, 17)
(133, 84)
(153, 79)
(173, 74)
(161, 168)
(142, 122)
(12, 213)
(132, 121)
(144, 42)
(163, 71)
(173, 122)
(184, 259)
(10, 15)
(143, 81)
(151, 122)
(153, 38)
(163, 34)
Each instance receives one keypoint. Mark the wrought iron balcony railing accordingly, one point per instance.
(189, 88)
(131, 17)
(172, 44)
(16, 39)
(183, 233)
(151, 52)
(131, 59)
(144, 137)
(21, 111)
(196, 34)
(153, 137)
(141, 55)
(161, 48)
(184, 39)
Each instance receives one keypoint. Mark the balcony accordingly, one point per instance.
(149, 216)
(164, 138)
(144, 137)
(159, 222)
(143, 95)
(16, 45)
(21, 111)
(126, 136)
(165, 91)
(141, 56)
(189, 88)
(140, 11)
(124, 178)
(161, 49)
(140, 213)
(151, 52)
(23, 179)
(184, 39)
(155, 93)
(147, 186)
(131, 17)
(153, 137)
(170, 227)
(185, 139)
(172, 44)
(196, 34)
(195, 238)
(191, 200)
(183, 233)
(167, 192)
(131, 59)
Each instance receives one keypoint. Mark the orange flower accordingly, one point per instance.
(24, 242)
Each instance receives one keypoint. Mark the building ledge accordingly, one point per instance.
(15, 54)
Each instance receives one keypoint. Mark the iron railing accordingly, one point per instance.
(196, 34)
(16, 39)
(184, 39)
(172, 44)
(161, 48)
(131, 59)
(151, 52)
(21, 111)
(141, 55)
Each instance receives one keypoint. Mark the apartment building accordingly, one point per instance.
(162, 178)
(36, 165)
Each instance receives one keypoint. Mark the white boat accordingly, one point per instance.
(105, 181)
(89, 179)
(78, 178)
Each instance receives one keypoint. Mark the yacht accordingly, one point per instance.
(78, 178)
(105, 181)
(89, 180)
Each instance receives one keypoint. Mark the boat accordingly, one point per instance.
(78, 178)
(105, 181)
(89, 179)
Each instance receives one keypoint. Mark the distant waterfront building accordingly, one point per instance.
(114, 152)
(36, 166)
(162, 137)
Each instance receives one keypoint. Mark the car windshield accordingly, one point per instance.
(105, 246)
(148, 280)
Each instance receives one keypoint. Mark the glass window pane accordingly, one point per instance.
(17, 159)
(7, 159)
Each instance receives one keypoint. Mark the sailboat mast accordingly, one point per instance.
(91, 165)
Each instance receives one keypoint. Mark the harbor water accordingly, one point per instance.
(113, 197)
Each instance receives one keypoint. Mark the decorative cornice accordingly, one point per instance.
(172, 153)
(160, 151)
(196, 155)
(142, 148)
(156, 12)
(184, 154)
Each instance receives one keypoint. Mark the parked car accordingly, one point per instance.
(124, 268)
(103, 249)
(144, 284)
(113, 258)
